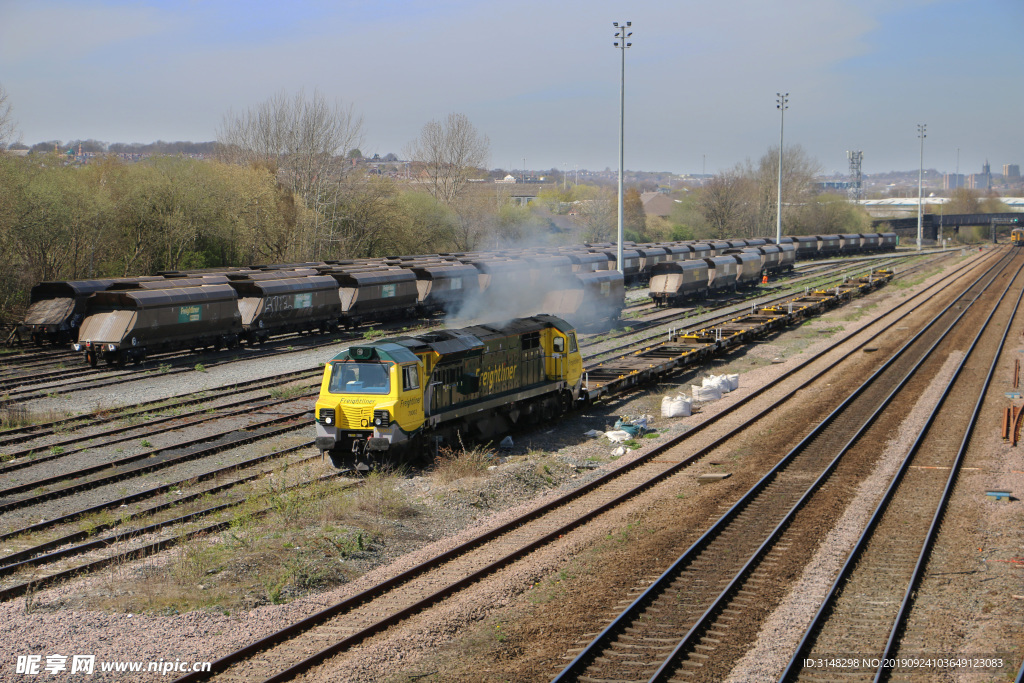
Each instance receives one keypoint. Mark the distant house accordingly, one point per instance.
(657, 204)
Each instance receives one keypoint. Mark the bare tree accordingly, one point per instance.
(7, 124)
(798, 172)
(449, 151)
(303, 139)
(723, 203)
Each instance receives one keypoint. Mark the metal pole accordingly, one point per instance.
(920, 184)
(782, 105)
(621, 35)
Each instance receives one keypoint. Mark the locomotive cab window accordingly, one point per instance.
(359, 378)
(558, 345)
(572, 342)
(410, 378)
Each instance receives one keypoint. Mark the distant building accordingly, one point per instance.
(1011, 171)
(657, 204)
(983, 180)
(952, 181)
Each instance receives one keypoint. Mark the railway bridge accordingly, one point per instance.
(933, 223)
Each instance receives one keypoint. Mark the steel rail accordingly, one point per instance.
(805, 643)
(313, 620)
(145, 468)
(21, 459)
(22, 433)
(145, 550)
(34, 556)
(723, 313)
(150, 493)
(947, 492)
(574, 669)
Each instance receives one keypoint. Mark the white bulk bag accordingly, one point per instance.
(706, 393)
(675, 406)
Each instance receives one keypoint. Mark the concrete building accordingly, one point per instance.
(952, 181)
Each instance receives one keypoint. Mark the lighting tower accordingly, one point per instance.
(622, 33)
(782, 104)
(856, 190)
(920, 184)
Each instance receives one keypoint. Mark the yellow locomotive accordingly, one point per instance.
(385, 401)
(1017, 237)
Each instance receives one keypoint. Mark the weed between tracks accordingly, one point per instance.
(15, 416)
(281, 543)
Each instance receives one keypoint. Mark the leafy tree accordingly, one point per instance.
(634, 219)
(963, 200)
(597, 215)
(829, 214)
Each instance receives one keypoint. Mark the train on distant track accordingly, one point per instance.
(124, 320)
(388, 401)
(1017, 237)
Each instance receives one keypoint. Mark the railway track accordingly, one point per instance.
(684, 623)
(649, 331)
(152, 529)
(867, 610)
(335, 629)
(16, 387)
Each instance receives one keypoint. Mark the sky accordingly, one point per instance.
(541, 79)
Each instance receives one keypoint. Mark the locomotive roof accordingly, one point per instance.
(452, 342)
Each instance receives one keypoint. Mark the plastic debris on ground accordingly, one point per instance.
(618, 436)
(593, 434)
(635, 427)
(506, 443)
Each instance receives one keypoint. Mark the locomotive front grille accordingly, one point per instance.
(355, 418)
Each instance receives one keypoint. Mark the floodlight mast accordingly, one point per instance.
(782, 104)
(921, 127)
(622, 34)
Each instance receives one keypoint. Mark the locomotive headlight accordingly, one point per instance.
(381, 418)
(327, 416)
